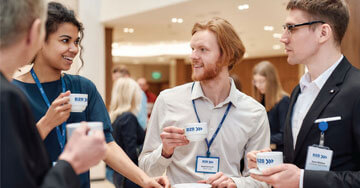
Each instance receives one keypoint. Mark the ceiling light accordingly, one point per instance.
(276, 47)
(243, 7)
(126, 30)
(180, 20)
(268, 28)
(173, 20)
(131, 30)
(277, 35)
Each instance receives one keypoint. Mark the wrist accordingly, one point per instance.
(165, 154)
(43, 127)
(68, 157)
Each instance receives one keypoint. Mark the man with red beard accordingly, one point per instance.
(236, 122)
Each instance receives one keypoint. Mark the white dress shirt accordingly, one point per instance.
(308, 92)
(246, 128)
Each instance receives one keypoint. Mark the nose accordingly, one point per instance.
(194, 55)
(285, 37)
(74, 48)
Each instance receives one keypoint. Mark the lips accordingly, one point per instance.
(68, 58)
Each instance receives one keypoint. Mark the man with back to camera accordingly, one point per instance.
(24, 161)
(323, 119)
(240, 122)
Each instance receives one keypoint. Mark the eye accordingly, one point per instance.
(65, 40)
(203, 49)
(77, 42)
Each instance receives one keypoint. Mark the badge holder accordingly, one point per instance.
(319, 156)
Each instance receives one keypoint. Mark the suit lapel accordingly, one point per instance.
(288, 137)
(327, 92)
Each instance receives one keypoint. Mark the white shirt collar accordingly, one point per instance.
(197, 93)
(305, 80)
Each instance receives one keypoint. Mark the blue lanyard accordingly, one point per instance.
(60, 134)
(217, 130)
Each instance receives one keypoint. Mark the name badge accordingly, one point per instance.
(54, 163)
(208, 165)
(318, 158)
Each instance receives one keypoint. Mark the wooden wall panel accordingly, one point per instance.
(351, 42)
(289, 74)
(108, 65)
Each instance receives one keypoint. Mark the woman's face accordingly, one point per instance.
(259, 82)
(61, 47)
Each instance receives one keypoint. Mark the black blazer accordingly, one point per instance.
(23, 157)
(340, 96)
(331, 179)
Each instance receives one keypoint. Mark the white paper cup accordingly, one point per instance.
(192, 185)
(266, 160)
(196, 131)
(95, 125)
(78, 102)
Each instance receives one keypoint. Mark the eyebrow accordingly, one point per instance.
(67, 36)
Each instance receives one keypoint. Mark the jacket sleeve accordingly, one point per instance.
(330, 179)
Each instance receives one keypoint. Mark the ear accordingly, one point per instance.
(35, 35)
(325, 33)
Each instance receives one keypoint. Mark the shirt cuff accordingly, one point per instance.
(301, 183)
(162, 160)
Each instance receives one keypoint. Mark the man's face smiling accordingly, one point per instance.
(205, 55)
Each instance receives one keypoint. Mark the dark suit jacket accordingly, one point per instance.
(340, 96)
(23, 157)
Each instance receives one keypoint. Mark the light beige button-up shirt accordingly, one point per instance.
(246, 128)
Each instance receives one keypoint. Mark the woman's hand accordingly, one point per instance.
(58, 112)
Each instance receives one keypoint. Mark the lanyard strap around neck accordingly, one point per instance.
(218, 128)
(60, 133)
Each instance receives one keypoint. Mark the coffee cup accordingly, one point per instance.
(196, 131)
(94, 125)
(78, 102)
(266, 160)
(192, 185)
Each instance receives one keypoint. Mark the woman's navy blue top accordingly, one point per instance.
(95, 110)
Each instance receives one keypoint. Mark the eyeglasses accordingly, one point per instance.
(289, 27)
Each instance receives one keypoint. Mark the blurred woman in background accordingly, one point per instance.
(268, 91)
(128, 134)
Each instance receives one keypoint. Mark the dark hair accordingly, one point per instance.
(59, 14)
(333, 12)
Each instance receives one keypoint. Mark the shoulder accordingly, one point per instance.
(79, 82)
(176, 93)
(10, 93)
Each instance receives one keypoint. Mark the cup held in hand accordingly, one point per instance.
(95, 125)
(78, 102)
(266, 160)
(196, 131)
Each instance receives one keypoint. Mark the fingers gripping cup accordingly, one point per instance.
(95, 125)
(196, 131)
(266, 160)
(78, 102)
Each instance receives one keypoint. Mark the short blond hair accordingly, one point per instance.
(231, 47)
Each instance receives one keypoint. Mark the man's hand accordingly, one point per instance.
(83, 151)
(172, 137)
(282, 176)
(251, 157)
(219, 180)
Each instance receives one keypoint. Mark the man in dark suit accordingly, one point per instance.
(23, 157)
(329, 91)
